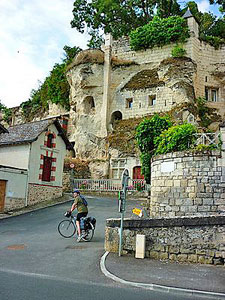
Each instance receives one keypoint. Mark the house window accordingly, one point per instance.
(118, 166)
(50, 140)
(47, 165)
(211, 94)
(214, 95)
(151, 100)
(129, 103)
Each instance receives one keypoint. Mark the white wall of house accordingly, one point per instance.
(38, 149)
(16, 156)
(16, 184)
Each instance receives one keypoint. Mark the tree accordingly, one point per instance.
(117, 17)
(168, 8)
(219, 2)
(211, 28)
(55, 87)
(70, 53)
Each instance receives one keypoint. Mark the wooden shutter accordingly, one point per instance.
(46, 175)
(2, 194)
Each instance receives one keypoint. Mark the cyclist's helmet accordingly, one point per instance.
(76, 191)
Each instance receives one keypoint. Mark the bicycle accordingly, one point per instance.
(68, 228)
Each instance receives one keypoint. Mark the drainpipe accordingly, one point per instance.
(28, 175)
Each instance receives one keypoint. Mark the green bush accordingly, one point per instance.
(159, 32)
(202, 147)
(146, 132)
(176, 138)
(7, 112)
(214, 41)
(178, 51)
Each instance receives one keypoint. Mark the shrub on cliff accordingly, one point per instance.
(176, 138)
(159, 32)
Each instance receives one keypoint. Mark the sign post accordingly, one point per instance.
(122, 205)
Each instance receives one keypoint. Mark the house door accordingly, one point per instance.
(137, 173)
(2, 194)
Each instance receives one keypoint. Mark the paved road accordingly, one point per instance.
(37, 263)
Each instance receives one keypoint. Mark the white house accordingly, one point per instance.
(31, 163)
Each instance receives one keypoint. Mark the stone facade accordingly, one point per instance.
(195, 240)
(39, 193)
(187, 184)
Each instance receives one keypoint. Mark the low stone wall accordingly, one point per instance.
(66, 182)
(13, 203)
(187, 184)
(39, 193)
(196, 240)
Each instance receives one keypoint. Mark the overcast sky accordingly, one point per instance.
(32, 36)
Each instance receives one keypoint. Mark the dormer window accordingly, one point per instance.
(50, 140)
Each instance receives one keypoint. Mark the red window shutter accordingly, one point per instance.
(46, 175)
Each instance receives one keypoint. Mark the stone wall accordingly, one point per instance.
(187, 184)
(39, 193)
(12, 203)
(66, 182)
(196, 240)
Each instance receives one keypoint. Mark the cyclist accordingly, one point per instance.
(81, 209)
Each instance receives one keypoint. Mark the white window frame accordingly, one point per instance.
(118, 168)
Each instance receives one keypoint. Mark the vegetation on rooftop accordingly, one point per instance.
(159, 32)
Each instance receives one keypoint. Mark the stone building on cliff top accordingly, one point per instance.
(117, 83)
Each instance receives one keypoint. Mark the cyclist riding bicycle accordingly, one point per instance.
(81, 209)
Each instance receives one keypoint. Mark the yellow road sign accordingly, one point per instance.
(137, 211)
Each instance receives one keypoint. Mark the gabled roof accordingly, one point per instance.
(2, 129)
(187, 14)
(29, 132)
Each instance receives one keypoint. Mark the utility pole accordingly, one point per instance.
(122, 206)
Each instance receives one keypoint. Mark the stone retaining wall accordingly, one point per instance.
(14, 203)
(39, 193)
(187, 184)
(196, 240)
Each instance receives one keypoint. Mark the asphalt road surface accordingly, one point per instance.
(36, 263)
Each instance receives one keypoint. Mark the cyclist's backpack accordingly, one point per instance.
(84, 200)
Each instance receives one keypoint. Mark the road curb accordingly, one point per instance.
(156, 287)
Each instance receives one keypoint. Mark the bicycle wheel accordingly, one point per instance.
(89, 233)
(66, 228)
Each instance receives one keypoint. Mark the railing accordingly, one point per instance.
(108, 185)
(207, 138)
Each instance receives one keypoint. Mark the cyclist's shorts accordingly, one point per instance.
(81, 215)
